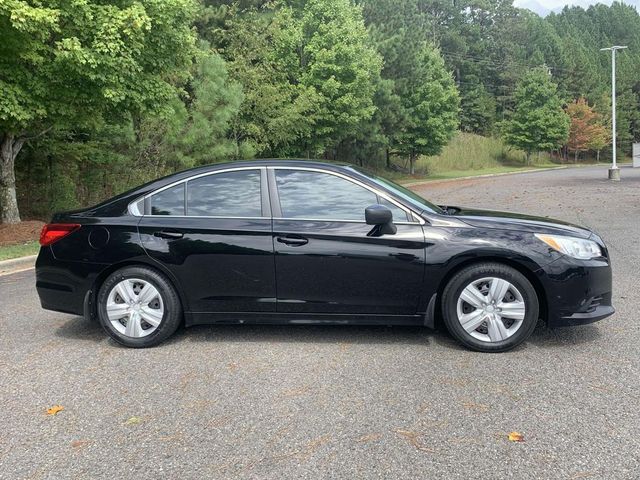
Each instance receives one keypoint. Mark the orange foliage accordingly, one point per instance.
(586, 126)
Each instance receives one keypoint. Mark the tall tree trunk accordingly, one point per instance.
(528, 157)
(575, 156)
(9, 148)
(388, 159)
(412, 164)
(598, 156)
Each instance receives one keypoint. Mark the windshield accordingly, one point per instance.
(400, 191)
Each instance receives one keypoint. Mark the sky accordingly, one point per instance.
(543, 7)
(553, 4)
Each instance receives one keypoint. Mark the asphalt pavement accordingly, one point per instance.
(293, 402)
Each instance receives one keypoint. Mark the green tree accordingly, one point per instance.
(599, 140)
(372, 142)
(477, 108)
(277, 111)
(397, 29)
(195, 130)
(335, 60)
(583, 33)
(72, 63)
(419, 113)
(430, 101)
(308, 74)
(538, 122)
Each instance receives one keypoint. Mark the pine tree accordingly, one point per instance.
(538, 122)
(425, 101)
(431, 102)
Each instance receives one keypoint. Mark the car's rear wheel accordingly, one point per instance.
(490, 307)
(138, 307)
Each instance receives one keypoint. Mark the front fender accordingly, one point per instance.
(451, 249)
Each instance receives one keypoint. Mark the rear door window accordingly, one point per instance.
(169, 201)
(226, 194)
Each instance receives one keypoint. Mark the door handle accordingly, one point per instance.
(170, 234)
(293, 241)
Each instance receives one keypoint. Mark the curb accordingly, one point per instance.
(17, 264)
(486, 175)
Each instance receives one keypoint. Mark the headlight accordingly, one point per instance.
(574, 247)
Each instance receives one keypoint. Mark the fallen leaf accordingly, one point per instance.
(79, 443)
(133, 421)
(516, 437)
(54, 410)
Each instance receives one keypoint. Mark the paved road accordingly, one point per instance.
(338, 402)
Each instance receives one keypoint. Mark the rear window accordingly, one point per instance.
(227, 194)
(169, 201)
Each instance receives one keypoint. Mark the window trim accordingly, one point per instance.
(264, 197)
(270, 196)
(277, 209)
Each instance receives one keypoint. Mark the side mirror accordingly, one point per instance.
(382, 218)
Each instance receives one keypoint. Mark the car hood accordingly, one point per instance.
(517, 221)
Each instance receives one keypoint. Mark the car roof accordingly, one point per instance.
(262, 162)
(268, 162)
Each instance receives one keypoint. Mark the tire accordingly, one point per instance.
(125, 292)
(506, 322)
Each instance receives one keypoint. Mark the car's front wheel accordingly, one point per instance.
(138, 307)
(490, 307)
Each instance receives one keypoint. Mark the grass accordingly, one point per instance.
(468, 151)
(444, 175)
(19, 250)
(468, 155)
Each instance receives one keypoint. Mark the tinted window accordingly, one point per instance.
(400, 191)
(399, 215)
(305, 194)
(230, 194)
(169, 201)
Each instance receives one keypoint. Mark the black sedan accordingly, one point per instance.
(299, 242)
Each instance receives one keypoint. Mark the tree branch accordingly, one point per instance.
(38, 135)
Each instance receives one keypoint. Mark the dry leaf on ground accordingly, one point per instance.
(516, 437)
(54, 410)
(79, 443)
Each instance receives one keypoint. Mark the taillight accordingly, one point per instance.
(52, 232)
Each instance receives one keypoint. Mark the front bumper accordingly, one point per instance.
(577, 291)
(600, 312)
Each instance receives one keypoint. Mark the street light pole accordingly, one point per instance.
(614, 171)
